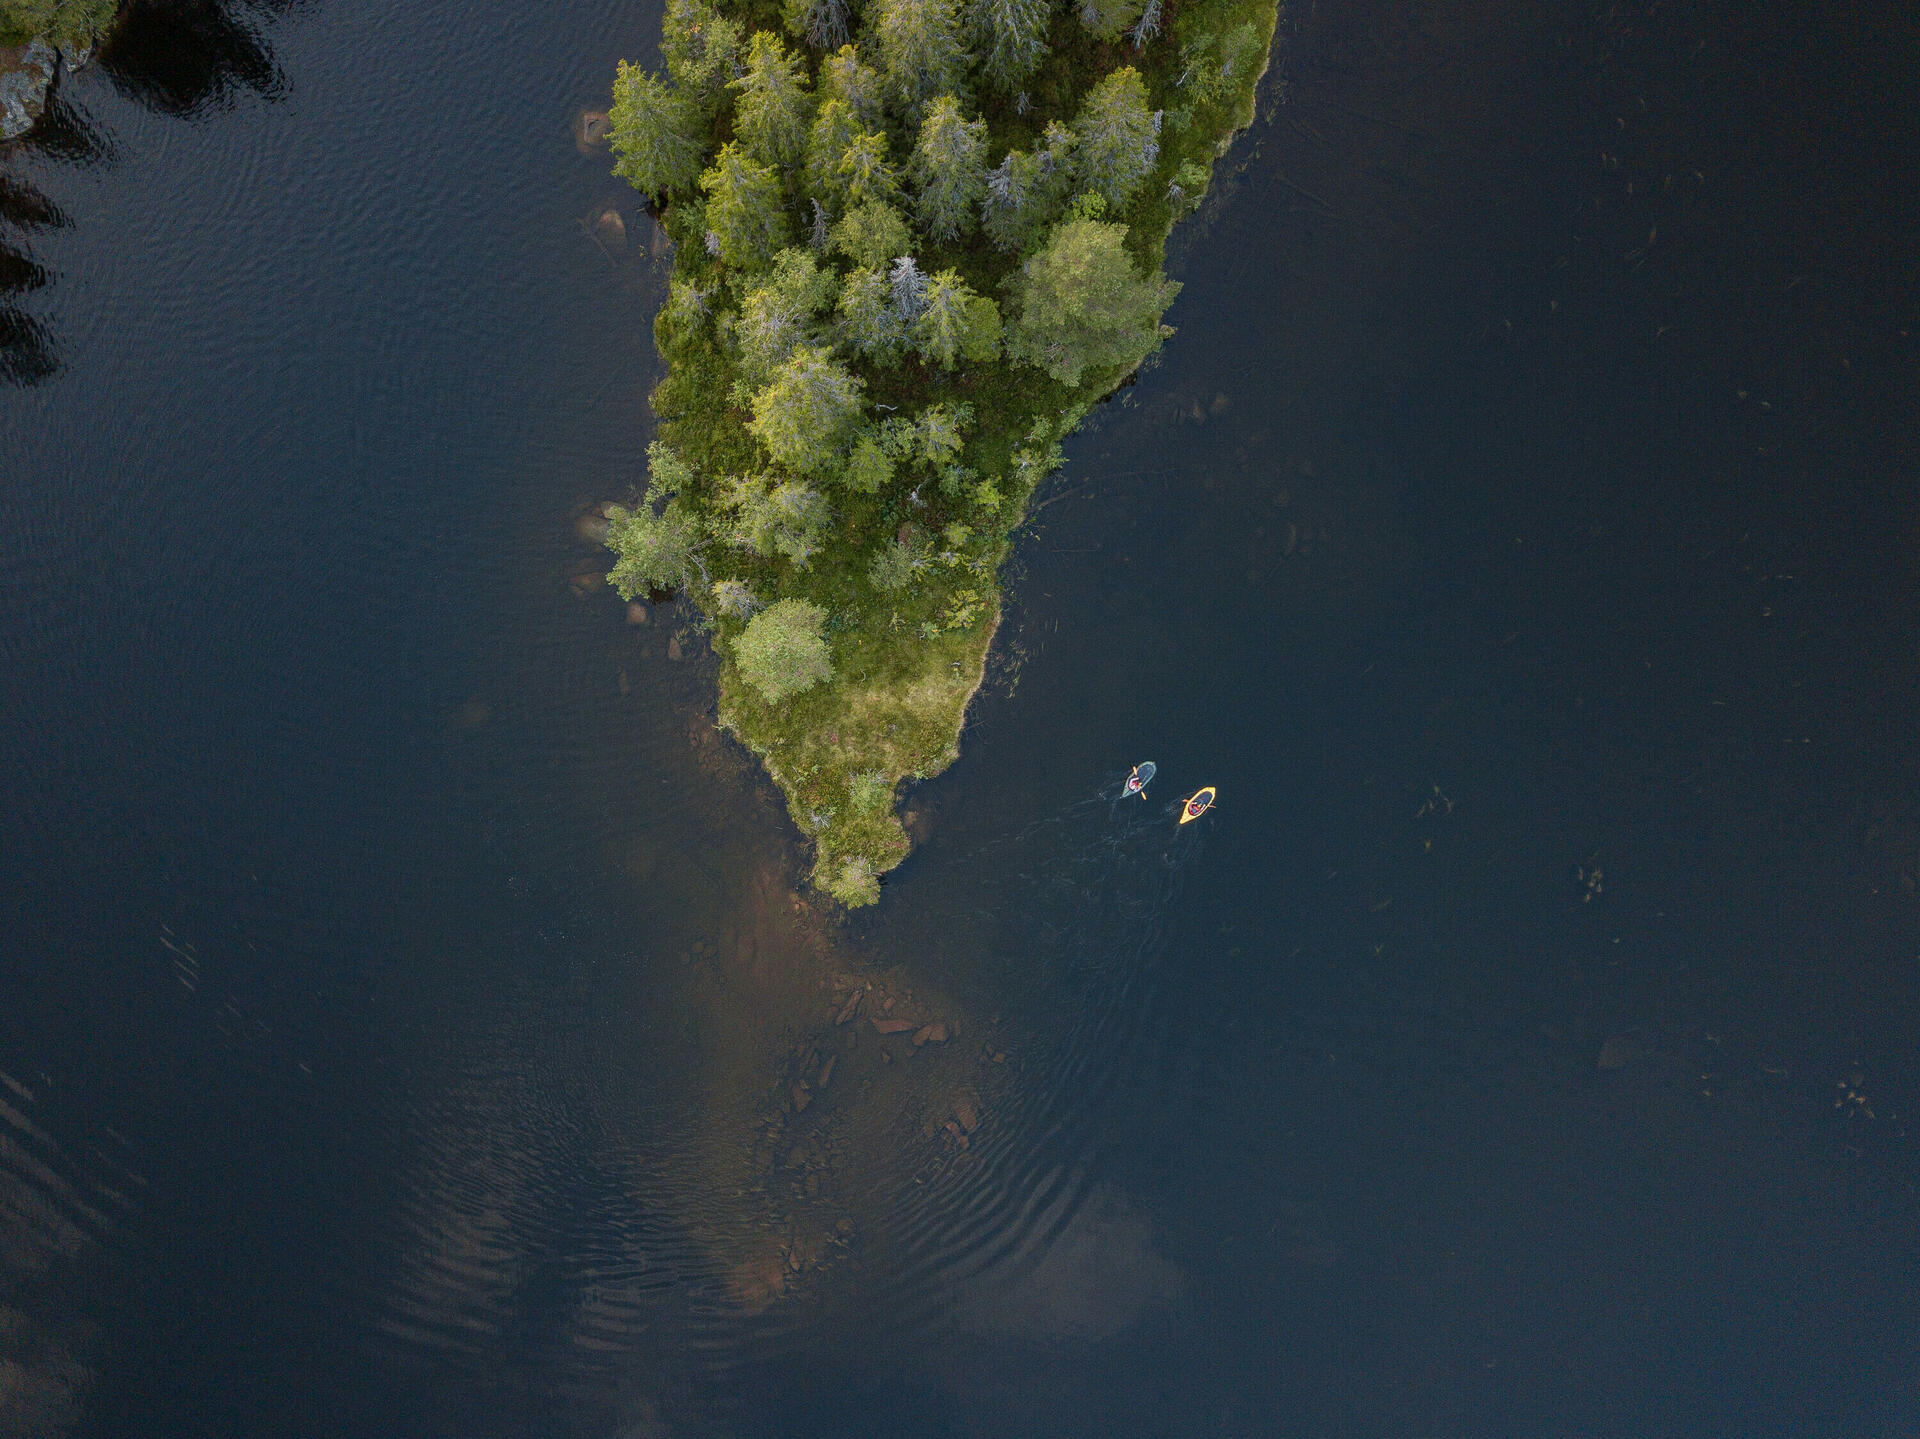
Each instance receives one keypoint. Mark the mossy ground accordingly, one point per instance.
(908, 661)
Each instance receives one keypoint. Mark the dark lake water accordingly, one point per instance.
(403, 990)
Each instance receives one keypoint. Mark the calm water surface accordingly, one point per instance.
(410, 1025)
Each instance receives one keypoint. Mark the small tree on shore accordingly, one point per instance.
(654, 136)
(808, 412)
(782, 651)
(1082, 304)
(949, 171)
(655, 551)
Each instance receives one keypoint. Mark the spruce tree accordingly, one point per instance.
(1119, 137)
(920, 51)
(868, 321)
(775, 518)
(778, 316)
(1010, 206)
(702, 50)
(863, 174)
(823, 24)
(808, 411)
(746, 215)
(949, 169)
(654, 133)
(1010, 37)
(909, 285)
(771, 114)
(835, 127)
(845, 77)
(954, 323)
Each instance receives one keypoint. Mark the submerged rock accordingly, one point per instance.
(591, 129)
(611, 230)
(935, 1033)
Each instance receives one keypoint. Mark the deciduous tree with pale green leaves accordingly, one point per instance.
(1082, 304)
(782, 652)
(809, 411)
(949, 171)
(654, 550)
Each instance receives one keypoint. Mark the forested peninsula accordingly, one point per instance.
(914, 241)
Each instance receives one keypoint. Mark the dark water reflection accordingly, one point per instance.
(412, 1025)
(177, 57)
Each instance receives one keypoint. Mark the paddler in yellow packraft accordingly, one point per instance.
(1199, 804)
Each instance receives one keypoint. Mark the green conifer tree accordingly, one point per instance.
(776, 317)
(845, 77)
(919, 49)
(777, 518)
(808, 412)
(655, 140)
(868, 321)
(823, 24)
(702, 49)
(1082, 304)
(746, 214)
(835, 127)
(863, 173)
(869, 466)
(955, 323)
(949, 171)
(774, 107)
(1010, 37)
(1119, 137)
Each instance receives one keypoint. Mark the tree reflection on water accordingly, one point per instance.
(183, 58)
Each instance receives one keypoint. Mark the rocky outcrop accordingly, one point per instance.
(26, 75)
